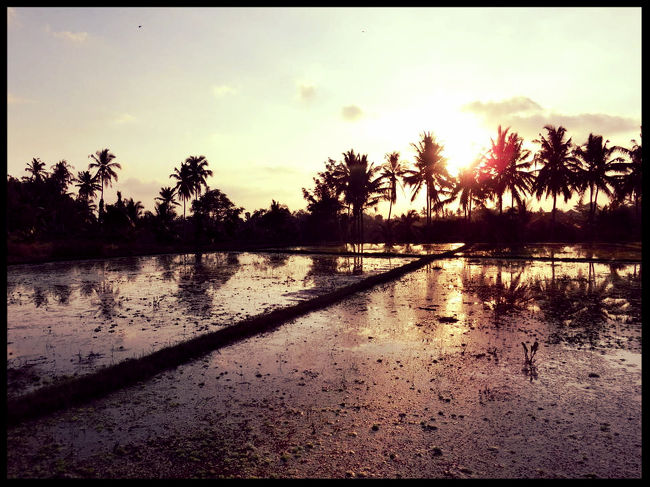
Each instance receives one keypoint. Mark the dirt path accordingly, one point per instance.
(416, 378)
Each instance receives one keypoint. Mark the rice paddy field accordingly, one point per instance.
(491, 363)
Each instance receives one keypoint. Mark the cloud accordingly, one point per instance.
(528, 118)
(306, 93)
(16, 100)
(351, 113)
(124, 118)
(12, 16)
(77, 37)
(223, 90)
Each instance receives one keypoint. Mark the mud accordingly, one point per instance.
(423, 377)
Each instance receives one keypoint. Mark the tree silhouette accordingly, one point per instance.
(430, 172)
(597, 166)
(198, 172)
(184, 184)
(87, 184)
(37, 170)
(361, 187)
(166, 197)
(558, 174)
(630, 184)
(105, 169)
(391, 173)
(62, 175)
(468, 188)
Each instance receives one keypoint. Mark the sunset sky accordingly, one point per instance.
(268, 94)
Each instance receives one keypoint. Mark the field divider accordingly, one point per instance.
(77, 390)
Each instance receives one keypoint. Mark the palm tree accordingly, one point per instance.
(598, 163)
(360, 186)
(507, 168)
(105, 168)
(37, 169)
(87, 184)
(430, 172)
(167, 196)
(630, 184)
(134, 209)
(62, 175)
(391, 172)
(559, 172)
(468, 188)
(183, 186)
(198, 172)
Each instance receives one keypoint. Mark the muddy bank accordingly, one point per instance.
(421, 377)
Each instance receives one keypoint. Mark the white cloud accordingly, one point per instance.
(351, 112)
(15, 100)
(124, 118)
(528, 118)
(77, 37)
(306, 93)
(223, 90)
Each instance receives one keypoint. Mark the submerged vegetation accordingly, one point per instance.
(47, 221)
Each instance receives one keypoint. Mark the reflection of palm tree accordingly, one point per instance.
(105, 168)
(559, 166)
(598, 163)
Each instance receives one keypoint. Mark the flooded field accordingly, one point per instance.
(68, 318)
(370, 248)
(434, 375)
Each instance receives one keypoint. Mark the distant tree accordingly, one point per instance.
(87, 184)
(391, 173)
(596, 170)
(324, 205)
(167, 197)
(134, 209)
(62, 175)
(215, 215)
(559, 172)
(198, 172)
(105, 169)
(630, 184)
(468, 189)
(360, 186)
(430, 172)
(37, 170)
(507, 168)
(184, 183)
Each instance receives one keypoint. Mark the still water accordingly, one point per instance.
(72, 317)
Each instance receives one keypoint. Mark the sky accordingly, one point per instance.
(267, 95)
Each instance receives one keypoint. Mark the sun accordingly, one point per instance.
(464, 140)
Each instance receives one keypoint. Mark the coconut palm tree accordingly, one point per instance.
(392, 172)
(184, 187)
(630, 184)
(468, 188)
(430, 172)
(506, 166)
(105, 169)
(198, 172)
(166, 197)
(37, 169)
(87, 184)
(361, 187)
(558, 175)
(597, 165)
(134, 209)
(62, 175)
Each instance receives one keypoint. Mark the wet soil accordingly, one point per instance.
(424, 377)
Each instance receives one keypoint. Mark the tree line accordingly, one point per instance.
(40, 206)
